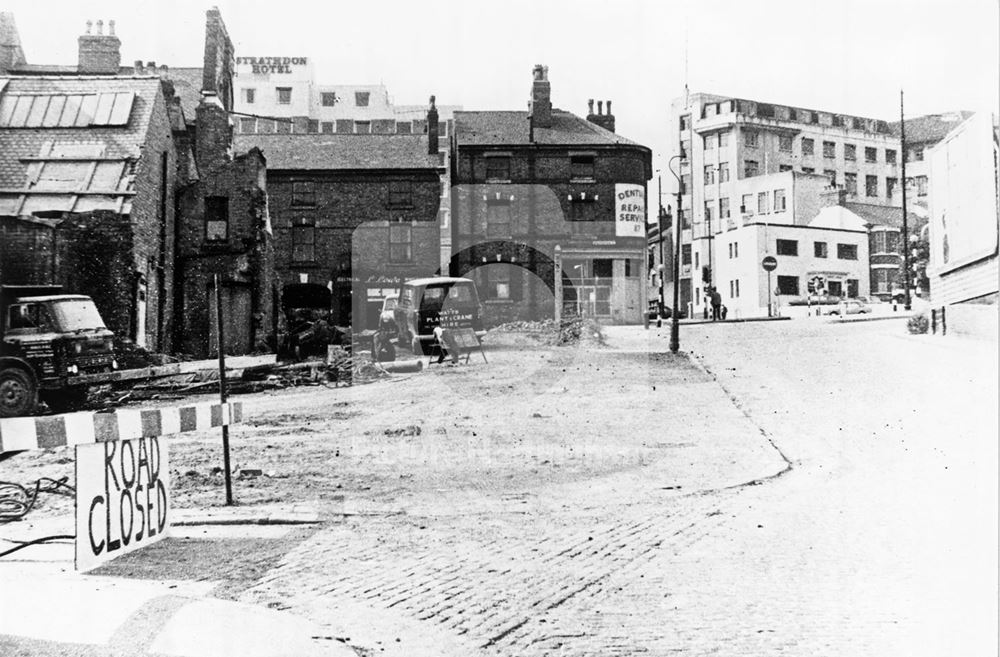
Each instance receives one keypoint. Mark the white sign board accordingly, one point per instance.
(122, 498)
(630, 210)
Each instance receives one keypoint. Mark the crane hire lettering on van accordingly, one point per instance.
(122, 498)
(454, 318)
(630, 210)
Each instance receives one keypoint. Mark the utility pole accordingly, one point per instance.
(675, 339)
(906, 232)
(660, 216)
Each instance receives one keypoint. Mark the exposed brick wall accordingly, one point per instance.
(344, 202)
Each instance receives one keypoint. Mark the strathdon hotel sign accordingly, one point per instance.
(265, 65)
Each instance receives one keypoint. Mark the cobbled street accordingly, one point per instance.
(806, 488)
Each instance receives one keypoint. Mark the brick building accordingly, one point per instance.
(357, 214)
(548, 211)
(72, 145)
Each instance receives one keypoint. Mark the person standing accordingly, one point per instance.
(716, 304)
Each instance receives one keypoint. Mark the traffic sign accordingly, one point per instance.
(769, 263)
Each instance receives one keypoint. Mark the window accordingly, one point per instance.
(686, 122)
(216, 218)
(312, 127)
(284, 95)
(631, 268)
(834, 288)
(847, 251)
(685, 183)
(788, 285)
(708, 210)
(882, 280)
(328, 98)
(890, 187)
(685, 254)
(871, 186)
(249, 95)
(723, 139)
(751, 138)
(747, 206)
(303, 243)
(723, 172)
(750, 168)
(582, 167)
(697, 260)
(921, 185)
(819, 249)
(709, 174)
(283, 126)
(808, 170)
(850, 152)
(400, 242)
(685, 148)
(852, 288)
(871, 155)
(248, 125)
(710, 142)
(779, 200)
(361, 98)
(498, 282)
(763, 203)
(807, 146)
(851, 183)
(784, 167)
(303, 193)
(730, 289)
(363, 127)
(498, 220)
(916, 154)
(787, 247)
(832, 175)
(785, 143)
(498, 168)
(400, 193)
(404, 128)
(829, 150)
(723, 208)
(890, 156)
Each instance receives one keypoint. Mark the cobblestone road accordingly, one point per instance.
(880, 539)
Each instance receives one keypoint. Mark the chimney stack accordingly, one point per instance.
(540, 113)
(11, 54)
(604, 119)
(99, 53)
(432, 129)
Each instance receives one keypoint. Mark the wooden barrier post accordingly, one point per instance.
(222, 389)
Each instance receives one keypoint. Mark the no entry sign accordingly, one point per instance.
(769, 263)
(122, 498)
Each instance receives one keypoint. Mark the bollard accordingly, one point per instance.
(944, 322)
(933, 321)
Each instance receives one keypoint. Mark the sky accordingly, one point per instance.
(851, 56)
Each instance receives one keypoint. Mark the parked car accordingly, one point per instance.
(426, 303)
(851, 307)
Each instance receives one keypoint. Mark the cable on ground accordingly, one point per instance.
(16, 500)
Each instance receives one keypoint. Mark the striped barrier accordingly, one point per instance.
(26, 433)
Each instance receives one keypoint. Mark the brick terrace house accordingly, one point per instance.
(354, 213)
(95, 155)
(548, 211)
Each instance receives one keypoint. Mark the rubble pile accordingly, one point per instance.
(569, 331)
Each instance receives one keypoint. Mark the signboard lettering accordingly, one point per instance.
(266, 65)
(122, 498)
(630, 210)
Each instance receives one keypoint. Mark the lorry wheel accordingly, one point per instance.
(63, 401)
(18, 394)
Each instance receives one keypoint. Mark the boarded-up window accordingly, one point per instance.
(400, 242)
(216, 218)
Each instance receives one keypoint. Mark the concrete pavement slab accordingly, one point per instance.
(262, 514)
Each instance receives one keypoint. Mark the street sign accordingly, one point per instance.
(769, 263)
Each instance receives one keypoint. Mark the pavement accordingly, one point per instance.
(49, 609)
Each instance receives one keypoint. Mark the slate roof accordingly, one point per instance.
(877, 215)
(187, 85)
(511, 128)
(48, 161)
(317, 152)
(931, 128)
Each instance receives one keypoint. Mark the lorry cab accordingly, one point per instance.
(48, 341)
(426, 303)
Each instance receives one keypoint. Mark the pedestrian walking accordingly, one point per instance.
(716, 304)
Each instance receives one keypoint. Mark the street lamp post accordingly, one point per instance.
(660, 215)
(675, 339)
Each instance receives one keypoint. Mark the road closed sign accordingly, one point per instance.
(122, 498)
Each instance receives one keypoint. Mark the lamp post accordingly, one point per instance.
(660, 216)
(675, 339)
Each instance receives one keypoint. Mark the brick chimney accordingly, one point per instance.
(219, 62)
(605, 120)
(213, 136)
(11, 54)
(100, 53)
(540, 112)
(432, 129)
(832, 196)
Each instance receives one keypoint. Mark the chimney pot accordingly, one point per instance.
(151, 65)
(609, 108)
(111, 27)
(590, 106)
(100, 28)
(138, 66)
(600, 107)
(90, 24)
